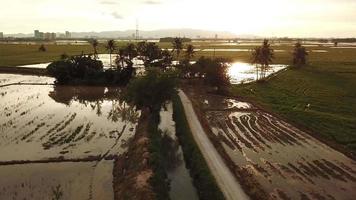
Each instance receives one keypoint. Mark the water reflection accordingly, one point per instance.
(181, 184)
(95, 97)
(245, 72)
(83, 94)
(68, 121)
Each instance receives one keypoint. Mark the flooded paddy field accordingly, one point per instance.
(240, 72)
(6, 79)
(74, 181)
(64, 136)
(71, 122)
(280, 159)
(105, 58)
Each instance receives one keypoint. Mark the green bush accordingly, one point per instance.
(159, 181)
(152, 90)
(214, 71)
(87, 70)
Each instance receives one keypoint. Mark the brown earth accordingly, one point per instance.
(131, 171)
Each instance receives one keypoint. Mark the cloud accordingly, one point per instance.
(108, 2)
(117, 15)
(152, 2)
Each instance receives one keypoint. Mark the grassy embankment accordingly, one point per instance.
(202, 178)
(327, 84)
(159, 180)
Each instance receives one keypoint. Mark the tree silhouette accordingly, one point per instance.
(111, 47)
(94, 43)
(299, 55)
(167, 59)
(126, 55)
(256, 60)
(189, 53)
(150, 53)
(131, 51)
(120, 59)
(177, 46)
(262, 57)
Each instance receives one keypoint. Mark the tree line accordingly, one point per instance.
(263, 56)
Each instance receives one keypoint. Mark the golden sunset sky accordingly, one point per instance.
(293, 18)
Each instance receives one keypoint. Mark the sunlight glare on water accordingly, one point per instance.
(240, 72)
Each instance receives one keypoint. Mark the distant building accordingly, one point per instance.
(216, 36)
(37, 34)
(62, 35)
(40, 35)
(1, 35)
(68, 34)
(47, 36)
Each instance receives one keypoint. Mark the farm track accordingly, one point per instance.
(225, 179)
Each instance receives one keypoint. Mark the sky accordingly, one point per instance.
(292, 18)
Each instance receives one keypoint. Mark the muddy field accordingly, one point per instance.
(60, 136)
(75, 181)
(282, 160)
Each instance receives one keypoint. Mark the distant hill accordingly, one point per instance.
(189, 33)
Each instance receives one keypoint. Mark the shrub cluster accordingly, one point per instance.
(87, 70)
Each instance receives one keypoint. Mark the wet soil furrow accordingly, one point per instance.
(226, 126)
(237, 129)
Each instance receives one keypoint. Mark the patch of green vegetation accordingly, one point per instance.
(159, 181)
(57, 192)
(152, 90)
(22, 54)
(87, 70)
(202, 178)
(320, 97)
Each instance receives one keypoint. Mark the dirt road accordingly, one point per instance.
(225, 179)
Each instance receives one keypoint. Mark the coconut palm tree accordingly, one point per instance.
(152, 53)
(120, 59)
(177, 46)
(256, 57)
(189, 53)
(131, 51)
(262, 57)
(94, 43)
(111, 47)
(267, 56)
(299, 55)
(166, 58)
